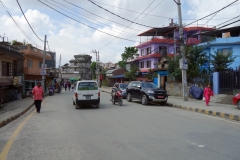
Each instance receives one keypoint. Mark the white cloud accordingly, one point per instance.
(68, 37)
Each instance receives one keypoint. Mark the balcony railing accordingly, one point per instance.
(192, 41)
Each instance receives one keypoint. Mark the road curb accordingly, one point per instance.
(203, 111)
(207, 112)
(12, 118)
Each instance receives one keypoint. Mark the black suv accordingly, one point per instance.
(146, 92)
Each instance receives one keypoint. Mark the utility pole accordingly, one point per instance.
(43, 64)
(183, 61)
(59, 68)
(97, 66)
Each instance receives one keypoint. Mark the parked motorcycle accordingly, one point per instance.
(50, 91)
(117, 97)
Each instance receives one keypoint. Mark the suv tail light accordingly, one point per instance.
(76, 95)
(98, 94)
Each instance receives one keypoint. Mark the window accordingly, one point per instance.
(87, 86)
(148, 64)
(177, 50)
(225, 51)
(29, 63)
(149, 50)
(142, 64)
(39, 64)
(7, 68)
(163, 50)
(15, 68)
(142, 52)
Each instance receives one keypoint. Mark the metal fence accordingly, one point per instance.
(229, 81)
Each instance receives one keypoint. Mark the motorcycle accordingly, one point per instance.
(117, 97)
(50, 91)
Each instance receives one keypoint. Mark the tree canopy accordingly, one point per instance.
(129, 54)
(221, 61)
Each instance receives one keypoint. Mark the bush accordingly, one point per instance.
(104, 83)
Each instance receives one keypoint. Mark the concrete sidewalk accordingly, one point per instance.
(12, 110)
(215, 108)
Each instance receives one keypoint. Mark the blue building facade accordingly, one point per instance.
(226, 41)
(224, 45)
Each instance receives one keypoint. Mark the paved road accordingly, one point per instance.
(132, 131)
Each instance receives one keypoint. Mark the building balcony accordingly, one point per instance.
(35, 52)
(192, 41)
(32, 71)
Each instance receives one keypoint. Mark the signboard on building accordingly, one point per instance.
(17, 80)
(43, 71)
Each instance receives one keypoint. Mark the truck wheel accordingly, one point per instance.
(144, 100)
(129, 97)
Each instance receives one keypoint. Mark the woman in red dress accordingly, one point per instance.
(207, 93)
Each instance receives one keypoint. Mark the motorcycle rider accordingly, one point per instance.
(114, 91)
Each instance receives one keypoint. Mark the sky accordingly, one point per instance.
(83, 26)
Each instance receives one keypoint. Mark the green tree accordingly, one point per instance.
(131, 75)
(173, 67)
(93, 69)
(221, 61)
(196, 58)
(129, 54)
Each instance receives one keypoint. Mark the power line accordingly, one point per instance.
(120, 16)
(210, 18)
(213, 13)
(128, 25)
(229, 24)
(147, 14)
(84, 23)
(100, 16)
(152, 9)
(28, 22)
(228, 20)
(86, 19)
(18, 26)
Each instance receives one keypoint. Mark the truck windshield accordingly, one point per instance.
(87, 86)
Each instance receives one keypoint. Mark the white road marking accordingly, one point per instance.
(201, 146)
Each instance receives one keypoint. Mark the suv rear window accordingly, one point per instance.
(87, 86)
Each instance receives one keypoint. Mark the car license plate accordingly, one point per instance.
(160, 96)
(87, 97)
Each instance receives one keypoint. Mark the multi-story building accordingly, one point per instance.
(78, 68)
(163, 42)
(32, 66)
(11, 73)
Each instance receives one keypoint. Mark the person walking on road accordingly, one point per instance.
(69, 86)
(38, 96)
(65, 86)
(207, 93)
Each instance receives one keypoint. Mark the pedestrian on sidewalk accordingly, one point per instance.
(38, 96)
(207, 93)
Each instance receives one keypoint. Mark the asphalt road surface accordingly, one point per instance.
(112, 132)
